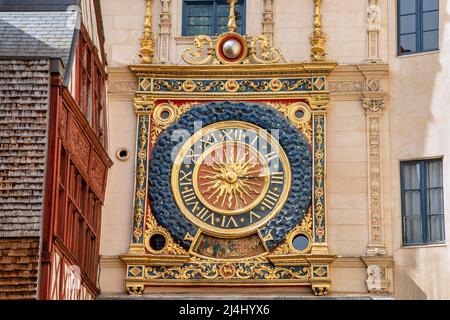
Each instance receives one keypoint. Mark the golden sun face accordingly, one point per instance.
(231, 176)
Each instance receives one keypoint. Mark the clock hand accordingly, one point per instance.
(255, 177)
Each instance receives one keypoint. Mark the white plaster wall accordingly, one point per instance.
(419, 125)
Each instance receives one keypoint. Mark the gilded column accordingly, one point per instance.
(320, 264)
(147, 51)
(318, 39)
(143, 108)
(268, 22)
(373, 25)
(165, 24)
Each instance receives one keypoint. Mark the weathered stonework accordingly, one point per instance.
(165, 24)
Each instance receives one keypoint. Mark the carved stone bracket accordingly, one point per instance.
(379, 274)
(373, 105)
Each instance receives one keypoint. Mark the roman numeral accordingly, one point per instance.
(205, 215)
(278, 178)
(186, 179)
(209, 140)
(252, 215)
(238, 135)
(230, 221)
(270, 200)
(254, 141)
(192, 155)
(188, 195)
(271, 156)
(195, 204)
(227, 134)
(202, 213)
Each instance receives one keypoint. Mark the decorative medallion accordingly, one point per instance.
(231, 48)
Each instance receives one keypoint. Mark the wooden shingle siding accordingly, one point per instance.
(24, 95)
(18, 268)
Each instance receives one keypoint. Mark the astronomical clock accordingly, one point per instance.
(230, 185)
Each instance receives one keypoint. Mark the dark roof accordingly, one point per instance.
(37, 34)
(36, 5)
(24, 103)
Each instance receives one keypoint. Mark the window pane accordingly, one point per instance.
(435, 199)
(223, 10)
(199, 10)
(431, 20)
(408, 43)
(431, 40)
(413, 230)
(408, 24)
(434, 174)
(430, 5)
(412, 203)
(197, 30)
(411, 175)
(408, 6)
(199, 21)
(436, 228)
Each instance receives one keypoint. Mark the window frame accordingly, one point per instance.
(424, 215)
(419, 29)
(214, 4)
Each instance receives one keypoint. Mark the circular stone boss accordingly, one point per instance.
(294, 144)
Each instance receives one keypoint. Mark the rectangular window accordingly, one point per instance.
(422, 202)
(418, 26)
(202, 17)
(91, 91)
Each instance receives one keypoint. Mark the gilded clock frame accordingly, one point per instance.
(176, 89)
(244, 230)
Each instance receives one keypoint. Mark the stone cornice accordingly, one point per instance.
(350, 82)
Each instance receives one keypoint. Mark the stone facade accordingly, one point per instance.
(384, 109)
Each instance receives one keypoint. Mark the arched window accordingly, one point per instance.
(210, 17)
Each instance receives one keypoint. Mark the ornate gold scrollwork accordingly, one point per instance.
(205, 49)
(171, 247)
(164, 115)
(261, 52)
(305, 227)
(303, 123)
(203, 53)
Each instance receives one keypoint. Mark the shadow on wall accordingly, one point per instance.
(416, 113)
(410, 289)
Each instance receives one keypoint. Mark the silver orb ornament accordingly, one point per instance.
(231, 49)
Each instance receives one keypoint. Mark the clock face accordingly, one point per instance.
(230, 178)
